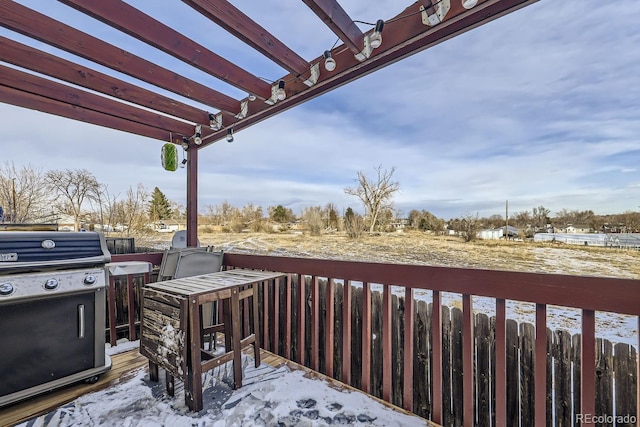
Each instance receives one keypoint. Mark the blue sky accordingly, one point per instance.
(540, 107)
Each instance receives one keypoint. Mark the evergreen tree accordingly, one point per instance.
(159, 206)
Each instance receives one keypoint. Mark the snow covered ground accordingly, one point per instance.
(269, 397)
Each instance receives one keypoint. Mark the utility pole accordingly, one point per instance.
(13, 193)
(506, 216)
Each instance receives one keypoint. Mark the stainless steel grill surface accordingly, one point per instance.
(52, 311)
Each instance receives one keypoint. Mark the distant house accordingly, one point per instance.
(169, 226)
(498, 233)
(578, 229)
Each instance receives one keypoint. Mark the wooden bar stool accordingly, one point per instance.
(172, 327)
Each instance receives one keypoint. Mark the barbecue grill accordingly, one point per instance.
(52, 311)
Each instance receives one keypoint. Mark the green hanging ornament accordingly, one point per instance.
(169, 157)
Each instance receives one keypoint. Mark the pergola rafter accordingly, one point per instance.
(82, 93)
(335, 17)
(132, 21)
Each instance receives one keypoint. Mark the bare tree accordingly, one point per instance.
(75, 186)
(375, 193)
(134, 209)
(23, 194)
(470, 226)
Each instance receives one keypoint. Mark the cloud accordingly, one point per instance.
(540, 107)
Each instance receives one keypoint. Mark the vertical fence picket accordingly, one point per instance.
(576, 341)
(513, 374)
(527, 373)
(562, 377)
(457, 370)
(483, 373)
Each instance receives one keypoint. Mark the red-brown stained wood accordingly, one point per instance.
(131, 309)
(335, 17)
(437, 355)
(241, 26)
(500, 364)
(137, 24)
(276, 316)
(540, 398)
(587, 380)
(346, 332)
(467, 360)
(266, 317)
(51, 106)
(329, 328)
(457, 366)
(35, 85)
(386, 344)
(288, 318)
(112, 311)
(366, 338)
(45, 63)
(302, 302)
(409, 348)
(40, 27)
(565, 290)
(315, 324)
(482, 336)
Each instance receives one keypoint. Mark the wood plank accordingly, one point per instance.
(527, 377)
(562, 378)
(409, 347)
(235, 22)
(329, 328)
(512, 374)
(624, 367)
(604, 377)
(483, 373)
(576, 341)
(143, 27)
(366, 338)
(457, 367)
(124, 366)
(40, 27)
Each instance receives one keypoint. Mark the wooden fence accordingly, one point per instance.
(385, 344)
(616, 363)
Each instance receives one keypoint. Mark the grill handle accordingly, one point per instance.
(81, 321)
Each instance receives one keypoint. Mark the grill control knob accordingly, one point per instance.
(51, 284)
(90, 279)
(6, 289)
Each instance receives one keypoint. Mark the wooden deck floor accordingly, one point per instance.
(125, 366)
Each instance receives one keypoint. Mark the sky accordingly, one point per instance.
(540, 107)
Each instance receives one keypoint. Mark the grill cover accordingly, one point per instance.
(36, 250)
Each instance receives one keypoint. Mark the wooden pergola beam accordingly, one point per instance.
(47, 105)
(335, 17)
(134, 22)
(29, 83)
(40, 27)
(404, 35)
(244, 28)
(45, 63)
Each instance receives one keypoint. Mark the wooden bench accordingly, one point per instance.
(172, 329)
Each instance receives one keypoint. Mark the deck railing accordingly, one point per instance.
(300, 323)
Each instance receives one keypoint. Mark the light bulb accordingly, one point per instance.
(251, 97)
(197, 139)
(183, 163)
(329, 62)
(468, 4)
(280, 93)
(375, 39)
(230, 135)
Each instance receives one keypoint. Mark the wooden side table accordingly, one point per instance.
(172, 327)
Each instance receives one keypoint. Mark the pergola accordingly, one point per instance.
(75, 91)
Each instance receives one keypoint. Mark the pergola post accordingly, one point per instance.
(192, 197)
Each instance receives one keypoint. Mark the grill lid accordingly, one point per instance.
(35, 250)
